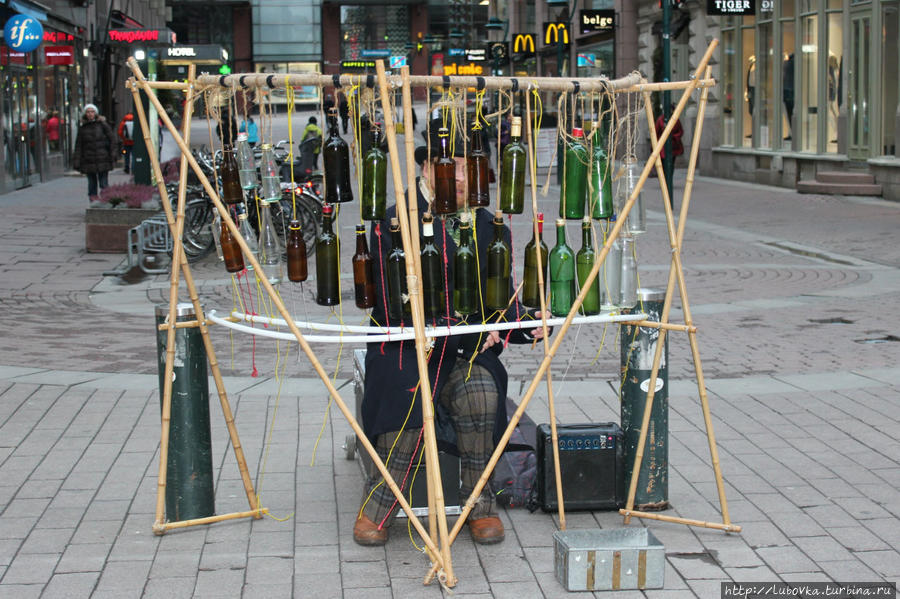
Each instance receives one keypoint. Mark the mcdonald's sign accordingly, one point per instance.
(553, 32)
(523, 43)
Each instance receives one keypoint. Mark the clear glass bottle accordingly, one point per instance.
(574, 183)
(268, 170)
(531, 293)
(496, 295)
(584, 262)
(328, 291)
(248, 234)
(270, 249)
(636, 223)
(434, 294)
(512, 171)
(363, 271)
(232, 192)
(612, 276)
(216, 228)
(397, 293)
(628, 283)
(444, 173)
(297, 267)
(234, 260)
(562, 273)
(465, 271)
(600, 197)
(477, 169)
(246, 162)
(336, 155)
(374, 184)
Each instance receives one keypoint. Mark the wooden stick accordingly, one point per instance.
(406, 213)
(663, 518)
(276, 299)
(542, 291)
(651, 324)
(190, 324)
(211, 519)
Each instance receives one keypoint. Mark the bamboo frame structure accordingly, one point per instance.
(438, 538)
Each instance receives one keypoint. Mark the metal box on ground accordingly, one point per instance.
(609, 559)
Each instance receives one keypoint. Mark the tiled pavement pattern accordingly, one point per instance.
(790, 293)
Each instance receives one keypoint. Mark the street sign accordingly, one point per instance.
(587, 60)
(397, 61)
(375, 53)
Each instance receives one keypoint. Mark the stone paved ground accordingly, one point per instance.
(794, 299)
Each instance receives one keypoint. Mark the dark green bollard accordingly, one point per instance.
(189, 481)
(638, 349)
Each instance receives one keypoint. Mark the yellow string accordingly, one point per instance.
(480, 296)
(262, 470)
(290, 156)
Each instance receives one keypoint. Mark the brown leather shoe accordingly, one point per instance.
(487, 531)
(366, 532)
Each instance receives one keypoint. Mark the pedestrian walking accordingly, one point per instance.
(95, 149)
(51, 128)
(344, 111)
(126, 135)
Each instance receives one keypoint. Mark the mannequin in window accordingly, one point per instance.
(750, 93)
(833, 89)
(787, 92)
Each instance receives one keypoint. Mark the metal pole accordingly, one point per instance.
(668, 160)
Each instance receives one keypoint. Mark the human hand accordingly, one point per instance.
(492, 338)
(538, 333)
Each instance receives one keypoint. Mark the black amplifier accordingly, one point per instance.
(590, 462)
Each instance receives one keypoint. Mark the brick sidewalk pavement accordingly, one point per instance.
(791, 295)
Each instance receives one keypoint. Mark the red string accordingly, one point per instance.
(387, 316)
(243, 276)
(446, 275)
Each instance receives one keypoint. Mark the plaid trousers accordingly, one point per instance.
(472, 405)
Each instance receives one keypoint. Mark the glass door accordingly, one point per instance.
(859, 86)
(19, 133)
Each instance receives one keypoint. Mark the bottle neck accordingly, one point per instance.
(498, 231)
(586, 240)
(560, 234)
(362, 247)
(428, 231)
(465, 236)
(326, 223)
(396, 240)
(445, 149)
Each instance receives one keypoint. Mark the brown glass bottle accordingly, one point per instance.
(477, 173)
(363, 271)
(232, 192)
(231, 251)
(444, 169)
(296, 253)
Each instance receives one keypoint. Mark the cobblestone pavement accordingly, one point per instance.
(793, 298)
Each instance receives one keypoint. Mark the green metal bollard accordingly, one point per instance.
(638, 349)
(190, 491)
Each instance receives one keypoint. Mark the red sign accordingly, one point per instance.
(130, 36)
(59, 55)
(56, 37)
(10, 57)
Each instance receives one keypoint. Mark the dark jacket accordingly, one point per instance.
(95, 147)
(390, 383)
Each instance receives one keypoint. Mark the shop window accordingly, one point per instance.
(730, 93)
(889, 67)
(834, 78)
(808, 113)
(750, 80)
(766, 71)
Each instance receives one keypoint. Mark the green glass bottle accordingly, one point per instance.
(444, 174)
(531, 292)
(465, 272)
(512, 171)
(434, 294)
(574, 183)
(374, 184)
(327, 266)
(477, 176)
(498, 268)
(397, 294)
(600, 197)
(584, 262)
(562, 273)
(336, 156)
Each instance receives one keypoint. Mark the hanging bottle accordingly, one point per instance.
(234, 260)
(216, 227)
(268, 170)
(232, 193)
(398, 301)
(246, 162)
(562, 273)
(628, 282)
(465, 271)
(327, 266)
(498, 268)
(363, 271)
(336, 155)
(444, 169)
(270, 249)
(601, 198)
(374, 183)
(434, 294)
(584, 262)
(531, 293)
(477, 172)
(248, 234)
(612, 276)
(512, 171)
(636, 222)
(574, 183)
(296, 253)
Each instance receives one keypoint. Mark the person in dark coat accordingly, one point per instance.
(468, 382)
(344, 111)
(95, 149)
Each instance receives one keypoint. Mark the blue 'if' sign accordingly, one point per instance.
(23, 33)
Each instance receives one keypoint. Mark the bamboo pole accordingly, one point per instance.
(542, 291)
(620, 221)
(211, 519)
(407, 213)
(317, 366)
(192, 291)
(677, 520)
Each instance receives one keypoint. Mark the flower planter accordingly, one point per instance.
(106, 229)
